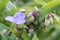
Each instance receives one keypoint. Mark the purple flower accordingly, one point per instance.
(18, 18)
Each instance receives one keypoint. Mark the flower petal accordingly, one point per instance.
(19, 15)
(20, 21)
(19, 18)
(10, 18)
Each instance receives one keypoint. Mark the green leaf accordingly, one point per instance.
(35, 37)
(47, 8)
(2, 26)
(47, 0)
(25, 35)
(12, 12)
(39, 2)
(3, 4)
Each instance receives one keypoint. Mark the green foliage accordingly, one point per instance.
(3, 4)
(40, 30)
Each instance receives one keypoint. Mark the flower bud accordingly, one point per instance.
(31, 19)
(4, 31)
(48, 20)
(35, 12)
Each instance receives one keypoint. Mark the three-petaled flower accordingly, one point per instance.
(18, 18)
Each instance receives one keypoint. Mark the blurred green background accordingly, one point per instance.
(10, 7)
